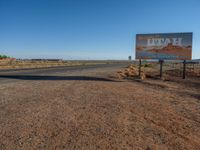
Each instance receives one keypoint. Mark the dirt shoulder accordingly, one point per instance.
(86, 113)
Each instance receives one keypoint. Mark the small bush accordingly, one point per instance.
(147, 65)
(3, 57)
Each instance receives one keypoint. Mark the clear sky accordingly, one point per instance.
(90, 29)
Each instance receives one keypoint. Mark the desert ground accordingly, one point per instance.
(93, 108)
(8, 64)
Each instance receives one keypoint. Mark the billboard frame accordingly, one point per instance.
(161, 61)
(170, 36)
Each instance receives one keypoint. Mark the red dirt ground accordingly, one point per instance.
(145, 114)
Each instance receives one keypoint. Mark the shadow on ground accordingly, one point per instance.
(37, 77)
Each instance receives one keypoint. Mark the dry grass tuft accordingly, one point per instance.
(130, 72)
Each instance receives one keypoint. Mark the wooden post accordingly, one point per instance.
(140, 63)
(184, 68)
(161, 67)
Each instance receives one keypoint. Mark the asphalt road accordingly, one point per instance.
(75, 72)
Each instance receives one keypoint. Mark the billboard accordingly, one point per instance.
(172, 46)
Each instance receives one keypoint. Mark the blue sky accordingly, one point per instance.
(91, 29)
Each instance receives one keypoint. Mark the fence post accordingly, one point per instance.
(140, 62)
(184, 68)
(161, 67)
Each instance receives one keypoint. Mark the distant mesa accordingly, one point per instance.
(174, 49)
(140, 48)
(171, 47)
(189, 47)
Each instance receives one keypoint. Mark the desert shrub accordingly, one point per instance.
(3, 56)
(147, 65)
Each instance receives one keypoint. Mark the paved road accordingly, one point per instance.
(47, 73)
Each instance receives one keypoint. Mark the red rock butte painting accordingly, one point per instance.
(171, 46)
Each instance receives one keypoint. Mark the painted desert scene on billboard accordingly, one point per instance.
(173, 46)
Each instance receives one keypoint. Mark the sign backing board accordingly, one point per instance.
(170, 46)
